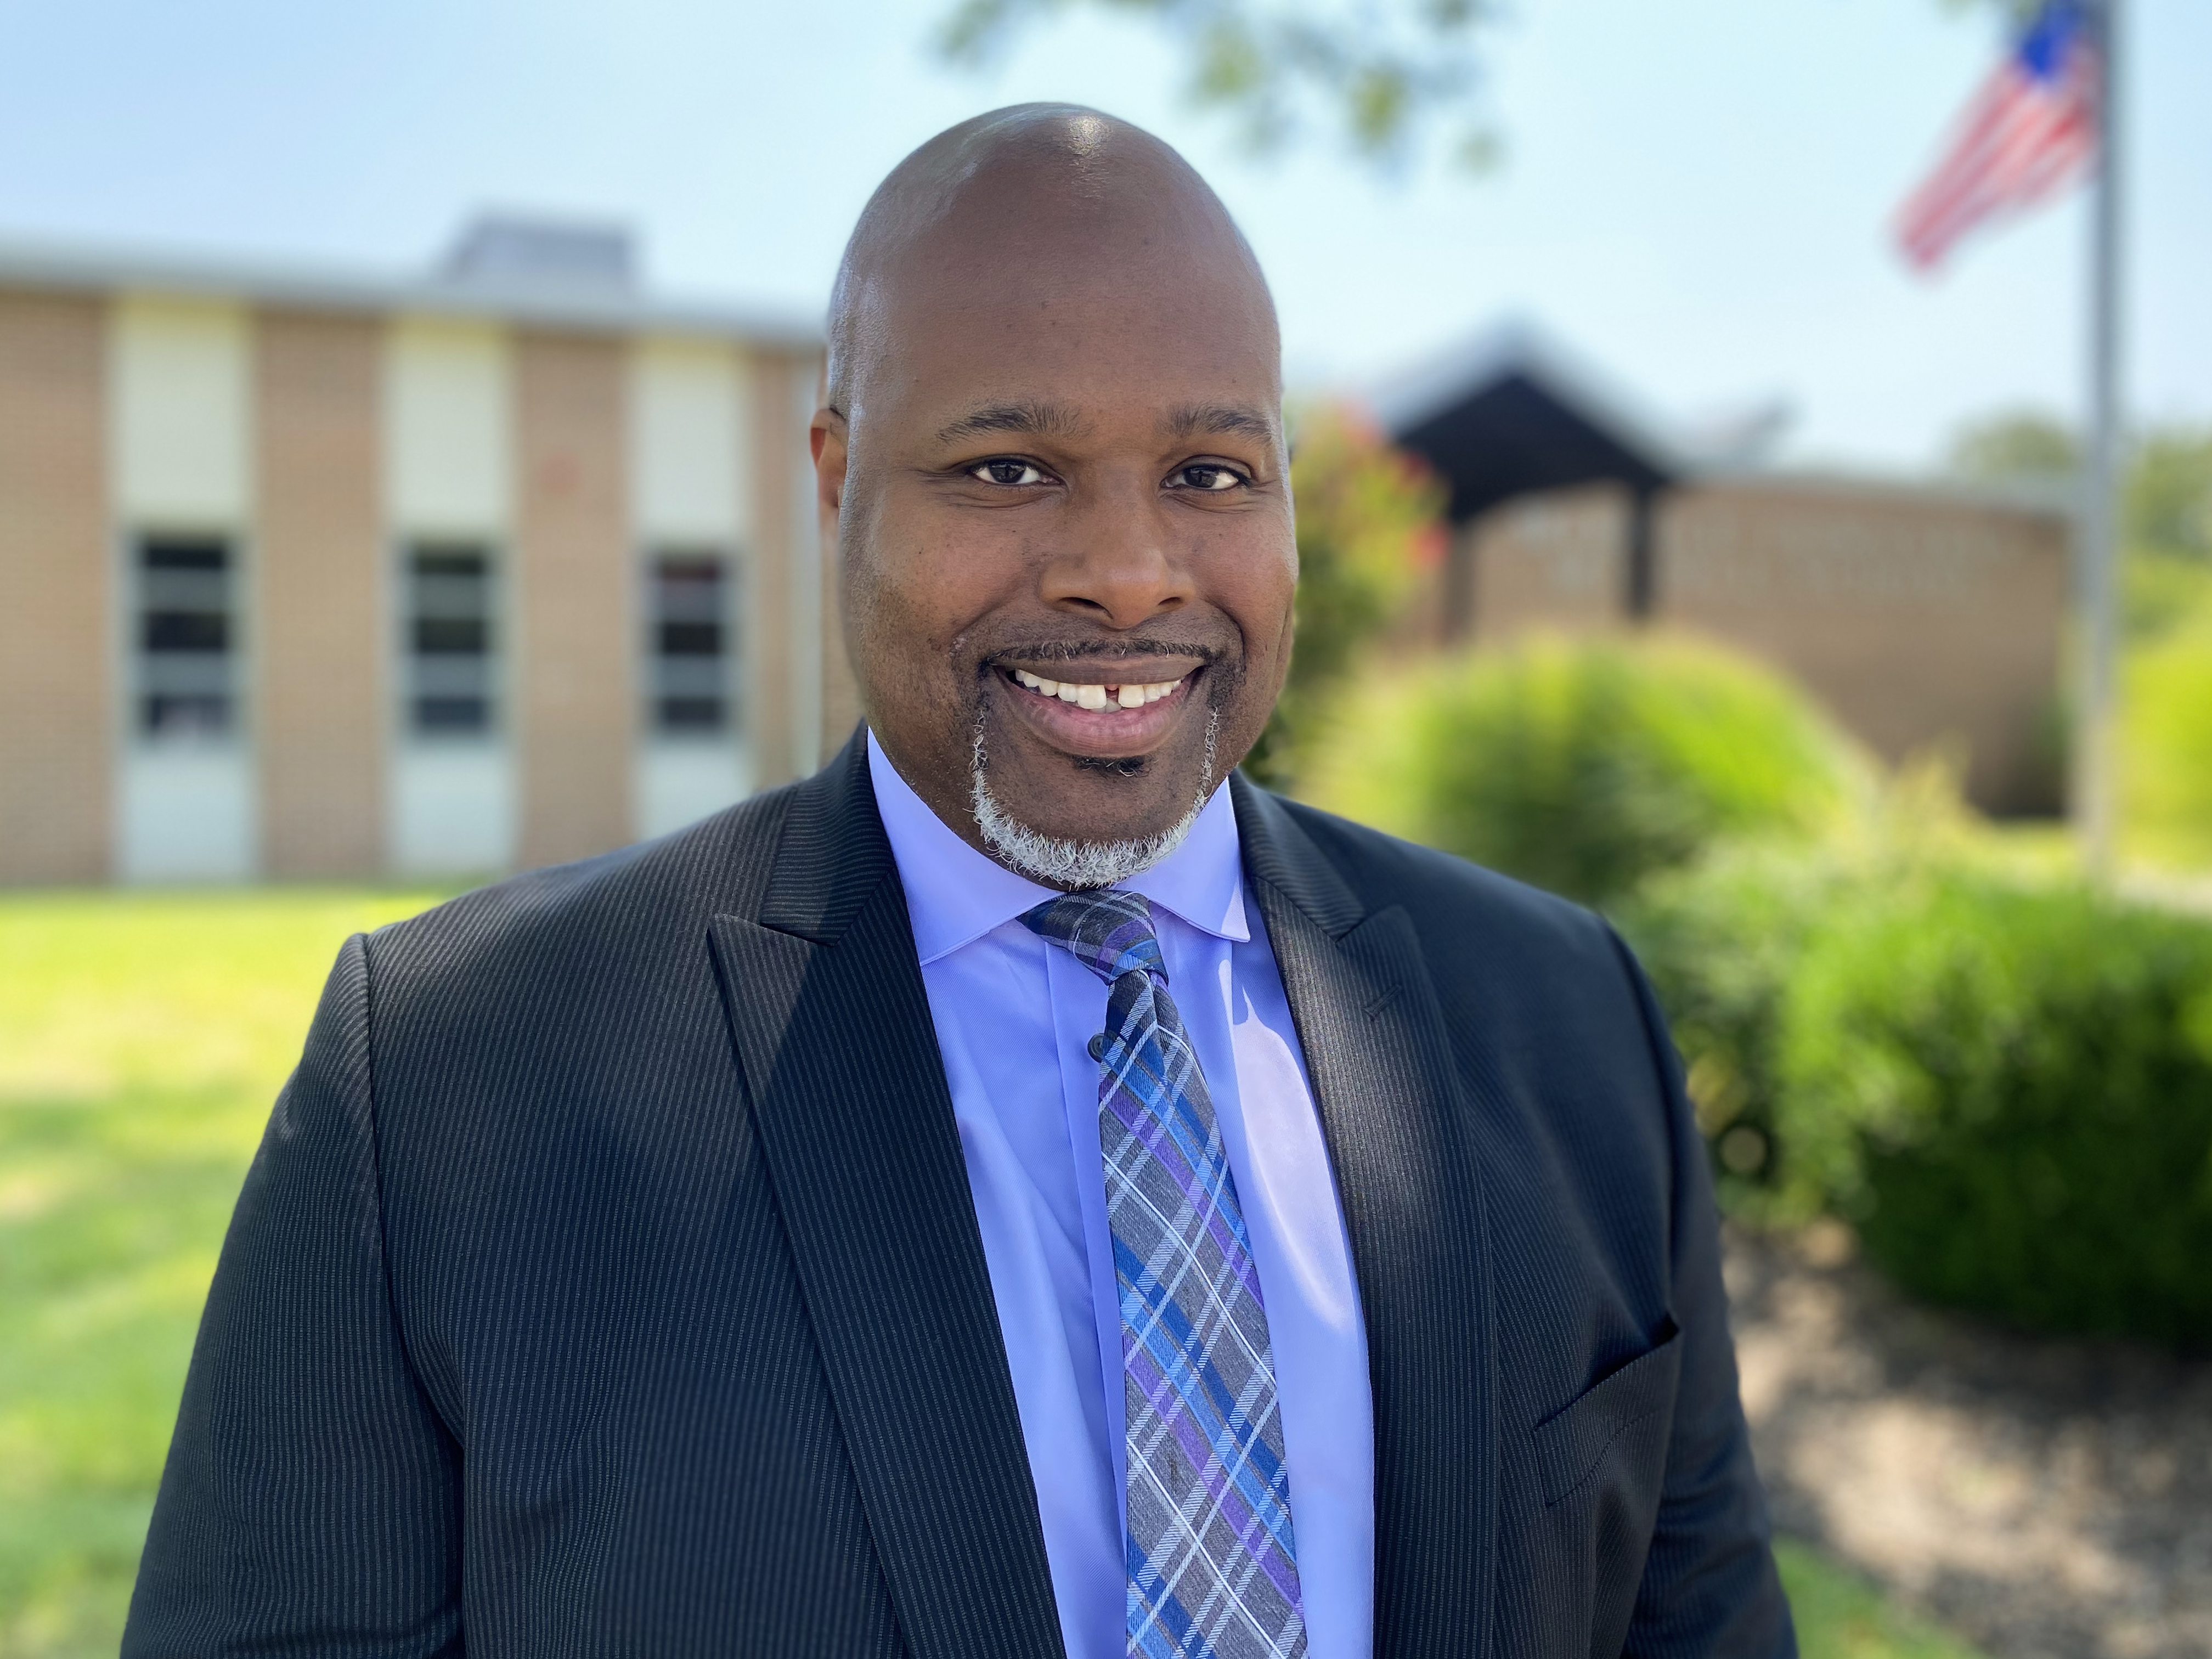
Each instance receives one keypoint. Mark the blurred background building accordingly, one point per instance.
(1924, 615)
(317, 576)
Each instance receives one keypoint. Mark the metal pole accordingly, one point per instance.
(2096, 803)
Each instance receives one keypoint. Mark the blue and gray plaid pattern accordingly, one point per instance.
(1213, 1568)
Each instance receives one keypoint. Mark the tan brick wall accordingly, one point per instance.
(575, 597)
(321, 628)
(776, 505)
(57, 710)
(1919, 621)
(1554, 561)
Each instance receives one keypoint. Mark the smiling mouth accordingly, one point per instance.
(1097, 696)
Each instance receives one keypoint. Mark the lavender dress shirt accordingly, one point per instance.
(1013, 1018)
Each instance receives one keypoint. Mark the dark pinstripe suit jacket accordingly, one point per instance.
(607, 1281)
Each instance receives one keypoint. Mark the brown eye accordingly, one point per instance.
(1212, 479)
(1005, 470)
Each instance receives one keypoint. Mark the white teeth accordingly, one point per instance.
(1095, 696)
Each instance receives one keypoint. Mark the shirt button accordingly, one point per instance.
(1097, 1047)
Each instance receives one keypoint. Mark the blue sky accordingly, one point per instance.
(1694, 193)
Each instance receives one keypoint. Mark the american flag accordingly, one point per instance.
(2030, 130)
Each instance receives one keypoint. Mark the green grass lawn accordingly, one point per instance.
(142, 1037)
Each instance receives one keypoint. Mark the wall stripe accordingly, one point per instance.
(323, 696)
(182, 455)
(56, 709)
(446, 418)
(575, 597)
(770, 646)
(181, 406)
(689, 430)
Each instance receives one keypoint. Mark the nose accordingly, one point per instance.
(1115, 562)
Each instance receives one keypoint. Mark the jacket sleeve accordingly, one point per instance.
(311, 1503)
(1710, 1587)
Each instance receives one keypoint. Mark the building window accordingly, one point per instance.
(187, 638)
(450, 643)
(692, 692)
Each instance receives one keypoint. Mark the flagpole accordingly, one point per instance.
(2096, 780)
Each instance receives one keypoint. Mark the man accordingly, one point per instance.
(1013, 1193)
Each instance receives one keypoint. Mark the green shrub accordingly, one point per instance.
(1725, 938)
(1720, 940)
(1370, 517)
(2011, 1091)
(1585, 766)
(2166, 742)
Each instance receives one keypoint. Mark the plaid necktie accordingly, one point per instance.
(1212, 1569)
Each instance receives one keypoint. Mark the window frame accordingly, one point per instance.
(731, 655)
(497, 690)
(132, 611)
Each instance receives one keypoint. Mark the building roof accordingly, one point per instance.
(1513, 412)
(512, 268)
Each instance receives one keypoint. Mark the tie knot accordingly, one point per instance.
(1107, 931)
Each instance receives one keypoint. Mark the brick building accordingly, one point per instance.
(1924, 616)
(312, 577)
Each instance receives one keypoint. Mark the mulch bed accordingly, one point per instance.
(2046, 1500)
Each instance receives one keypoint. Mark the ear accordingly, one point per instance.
(826, 437)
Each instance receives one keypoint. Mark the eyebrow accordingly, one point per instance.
(1044, 420)
(1221, 420)
(1037, 420)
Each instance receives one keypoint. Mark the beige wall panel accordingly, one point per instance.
(575, 597)
(182, 439)
(447, 445)
(1555, 561)
(690, 419)
(57, 712)
(322, 699)
(1919, 621)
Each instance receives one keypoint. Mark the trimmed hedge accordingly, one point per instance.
(1721, 942)
(1585, 766)
(2012, 1091)
(2008, 1089)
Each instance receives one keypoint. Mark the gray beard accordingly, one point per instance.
(1075, 865)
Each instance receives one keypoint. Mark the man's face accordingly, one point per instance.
(1061, 506)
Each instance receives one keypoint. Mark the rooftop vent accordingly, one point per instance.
(514, 251)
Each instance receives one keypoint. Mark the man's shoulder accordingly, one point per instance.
(1455, 906)
(1534, 979)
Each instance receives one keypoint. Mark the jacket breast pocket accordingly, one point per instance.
(1614, 1434)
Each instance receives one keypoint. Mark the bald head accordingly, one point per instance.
(1034, 198)
(1051, 463)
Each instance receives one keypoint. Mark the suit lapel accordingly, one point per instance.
(832, 1031)
(1391, 1109)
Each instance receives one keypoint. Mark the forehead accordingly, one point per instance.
(1027, 292)
(1067, 349)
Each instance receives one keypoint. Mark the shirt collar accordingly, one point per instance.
(954, 895)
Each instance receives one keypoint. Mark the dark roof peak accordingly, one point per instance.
(1514, 411)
